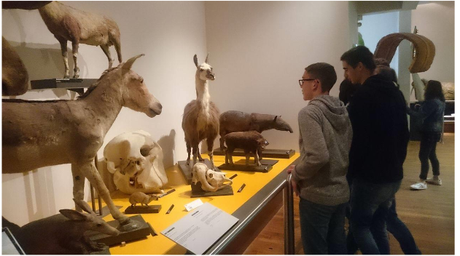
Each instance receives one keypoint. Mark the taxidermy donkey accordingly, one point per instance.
(64, 233)
(69, 24)
(201, 116)
(237, 121)
(44, 133)
(15, 79)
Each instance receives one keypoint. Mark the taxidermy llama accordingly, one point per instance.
(201, 116)
(44, 133)
(70, 24)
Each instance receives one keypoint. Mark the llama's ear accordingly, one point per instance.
(206, 60)
(128, 64)
(195, 59)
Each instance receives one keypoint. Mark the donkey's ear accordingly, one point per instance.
(128, 64)
(206, 60)
(83, 205)
(195, 59)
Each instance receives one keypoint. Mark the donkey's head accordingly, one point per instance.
(135, 94)
(204, 71)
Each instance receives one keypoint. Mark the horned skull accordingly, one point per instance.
(210, 179)
(136, 162)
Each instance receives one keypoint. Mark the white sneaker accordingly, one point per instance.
(434, 182)
(419, 186)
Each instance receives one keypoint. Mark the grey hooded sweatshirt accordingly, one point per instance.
(325, 140)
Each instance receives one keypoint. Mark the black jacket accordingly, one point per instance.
(380, 134)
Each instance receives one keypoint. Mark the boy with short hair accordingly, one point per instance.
(320, 175)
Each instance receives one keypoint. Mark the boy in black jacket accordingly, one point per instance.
(380, 136)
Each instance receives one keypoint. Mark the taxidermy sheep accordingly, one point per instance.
(201, 116)
(69, 24)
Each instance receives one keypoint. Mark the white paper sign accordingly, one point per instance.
(201, 228)
(193, 205)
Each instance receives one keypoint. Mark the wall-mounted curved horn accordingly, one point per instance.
(425, 50)
(128, 64)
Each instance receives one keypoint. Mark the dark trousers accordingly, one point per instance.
(428, 151)
(370, 204)
(401, 232)
(322, 228)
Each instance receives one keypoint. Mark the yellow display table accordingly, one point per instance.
(245, 205)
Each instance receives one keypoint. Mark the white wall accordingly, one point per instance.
(259, 51)
(169, 33)
(435, 20)
(376, 26)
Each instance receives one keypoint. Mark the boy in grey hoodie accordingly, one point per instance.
(320, 175)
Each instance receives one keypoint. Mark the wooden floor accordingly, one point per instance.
(429, 214)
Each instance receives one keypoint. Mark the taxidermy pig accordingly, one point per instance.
(136, 162)
(250, 142)
(141, 198)
(210, 180)
(63, 233)
(237, 121)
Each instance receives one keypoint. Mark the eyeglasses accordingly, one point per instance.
(304, 80)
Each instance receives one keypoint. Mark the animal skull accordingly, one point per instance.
(136, 162)
(210, 179)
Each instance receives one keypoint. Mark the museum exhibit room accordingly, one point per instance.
(222, 127)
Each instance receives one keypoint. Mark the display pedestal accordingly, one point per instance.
(187, 169)
(125, 236)
(269, 153)
(73, 84)
(240, 165)
(143, 209)
(198, 192)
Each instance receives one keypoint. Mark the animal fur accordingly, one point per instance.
(15, 79)
(201, 116)
(237, 121)
(69, 24)
(250, 142)
(44, 133)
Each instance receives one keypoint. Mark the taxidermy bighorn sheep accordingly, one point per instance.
(69, 24)
(237, 121)
(64, 233)
(44, 133)
(201, 116)
(250, 142)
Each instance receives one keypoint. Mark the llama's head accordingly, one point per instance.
(204, 71)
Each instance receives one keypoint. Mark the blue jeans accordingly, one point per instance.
(322, 228)
(401, 232)
(370, 204)
(428, 151)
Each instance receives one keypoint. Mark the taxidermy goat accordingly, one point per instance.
(64, 233)
(201, 116)
(44, 133)
(237, 121)
(210, 180)
(250, 142)
(135, 163)
(69, 24)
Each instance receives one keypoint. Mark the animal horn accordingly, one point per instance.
(195, 59)
(128, 64)
(206, 60)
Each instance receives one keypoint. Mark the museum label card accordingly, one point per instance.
(201, 228)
